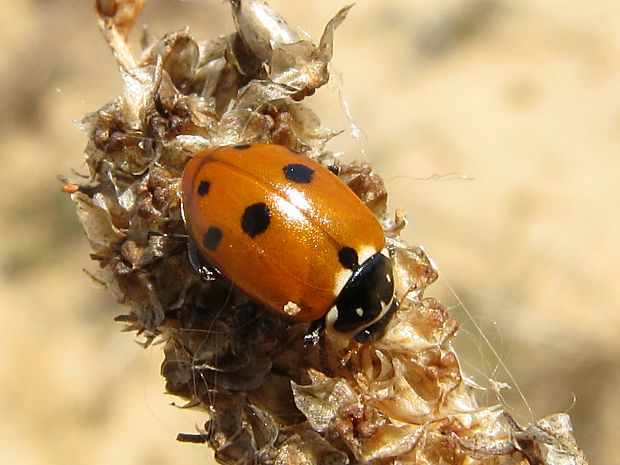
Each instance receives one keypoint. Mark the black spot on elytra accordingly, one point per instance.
(203, 187)
(212, 238)
(255, 219)
(298, 173)
(348, 258)
(242, 147)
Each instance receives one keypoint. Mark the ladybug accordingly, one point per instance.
(290, 235)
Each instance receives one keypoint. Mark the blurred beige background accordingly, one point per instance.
(496, 125)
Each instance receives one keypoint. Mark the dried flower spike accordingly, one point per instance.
(270, 399)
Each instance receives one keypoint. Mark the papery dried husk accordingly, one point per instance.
(268, 399)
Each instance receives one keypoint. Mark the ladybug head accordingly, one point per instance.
(366, 302)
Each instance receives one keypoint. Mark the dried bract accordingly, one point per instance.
(401, 399)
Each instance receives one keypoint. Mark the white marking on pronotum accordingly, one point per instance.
(360, 312)
(364, 253)
(388, 278)
(385, 308)
(331, 317)
(342, 277)
(330, 320)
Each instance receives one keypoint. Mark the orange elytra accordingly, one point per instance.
(291, 235)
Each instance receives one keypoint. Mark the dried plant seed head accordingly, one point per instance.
(398, 398)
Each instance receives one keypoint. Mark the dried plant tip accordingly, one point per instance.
(327, 40)
(106, 8)
(284, 55)
(120, 13)
(261, 28)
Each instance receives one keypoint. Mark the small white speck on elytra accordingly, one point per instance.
(291, 308)
(359, 311)
(388, 278)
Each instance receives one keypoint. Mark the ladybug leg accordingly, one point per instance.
(208, 272)
(160, 107)
(313, 336)
(178, 237)
(371, 332)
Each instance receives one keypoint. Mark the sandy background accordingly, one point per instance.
(496, 125)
